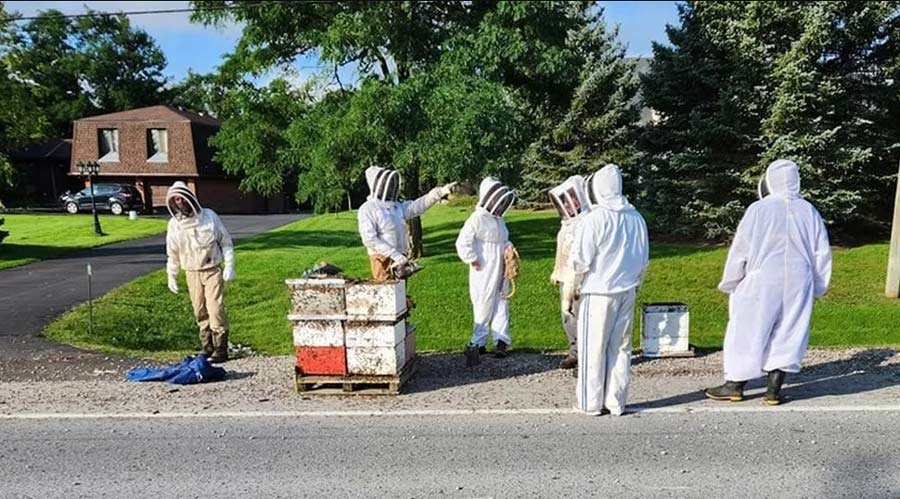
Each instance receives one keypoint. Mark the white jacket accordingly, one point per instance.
(611, 245)
(197, 241)
(382, 223)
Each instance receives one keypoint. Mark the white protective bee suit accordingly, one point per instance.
(571, 201)
(382, 219)
(198, 243)
(778, 264)
(484, 239)
(610, 256)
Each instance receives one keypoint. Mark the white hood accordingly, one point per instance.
(180, 189)
(570, 198)
(384, 184)
(605, 189)
(782, 179)
(494, 197)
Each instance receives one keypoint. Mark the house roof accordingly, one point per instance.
(57, 149)
(155, 114)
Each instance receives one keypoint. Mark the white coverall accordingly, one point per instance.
(382, 219)
(610, 254)
(571, 202)
(779, 262)
(198, 242)
(484, 239)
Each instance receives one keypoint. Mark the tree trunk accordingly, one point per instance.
(413, 226)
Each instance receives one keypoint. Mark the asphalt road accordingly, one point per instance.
(33, 295)
(809, 454)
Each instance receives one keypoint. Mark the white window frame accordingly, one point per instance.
(113, 154)
(158, 156)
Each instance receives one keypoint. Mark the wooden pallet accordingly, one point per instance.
(355, 384)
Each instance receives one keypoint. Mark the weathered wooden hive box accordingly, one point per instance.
(376, 302)
(344, 328)
(665, 329)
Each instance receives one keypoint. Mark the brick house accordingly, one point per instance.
(152, 147)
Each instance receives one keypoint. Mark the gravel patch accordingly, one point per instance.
(521, 381)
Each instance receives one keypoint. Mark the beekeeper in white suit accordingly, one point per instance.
(482, 244)
(571, 201)
(382, 219)
(779, 263)
(197, 241)
(610, 255)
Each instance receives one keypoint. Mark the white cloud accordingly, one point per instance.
(154, 23)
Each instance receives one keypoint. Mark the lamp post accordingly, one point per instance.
(91, 169)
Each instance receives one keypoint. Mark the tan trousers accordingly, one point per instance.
(381, 267)
(207, 290)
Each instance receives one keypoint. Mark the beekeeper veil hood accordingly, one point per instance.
(605, 189)
(782, 178)
(570, 197)
(384, 184)
(494, 197)
(189, 205)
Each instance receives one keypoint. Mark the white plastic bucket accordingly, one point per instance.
(132, 215)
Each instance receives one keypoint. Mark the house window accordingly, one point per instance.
(158, 145)
(109, 144)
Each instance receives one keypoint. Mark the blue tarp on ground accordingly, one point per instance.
(187, 372)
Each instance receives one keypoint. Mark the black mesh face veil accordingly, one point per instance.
(190, 206)
(387, 185)
(392, 189)
(503, 204)
(592, 196)
(763, 186)
(557, 203)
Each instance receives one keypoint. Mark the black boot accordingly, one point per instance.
(501, 350)
(472, 356)
(773, 387)
(731, 390)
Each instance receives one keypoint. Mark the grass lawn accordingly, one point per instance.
(144, 318)
(39, 237)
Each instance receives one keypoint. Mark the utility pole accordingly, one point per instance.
(892, 286)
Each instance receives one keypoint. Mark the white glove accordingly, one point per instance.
(228, 255)
(399, 261)
(172, 269)
(447, 189)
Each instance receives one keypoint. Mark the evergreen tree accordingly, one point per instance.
(744, 83)
(597, 124)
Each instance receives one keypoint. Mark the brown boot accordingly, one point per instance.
(220, 347)
(569, 362)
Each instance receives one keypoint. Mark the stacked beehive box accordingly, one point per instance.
(352, 332)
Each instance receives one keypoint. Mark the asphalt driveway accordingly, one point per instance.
(33, 295)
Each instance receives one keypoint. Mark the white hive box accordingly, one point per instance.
(376, 361)
(375, 334)
(320, 333)
(316, 299)
(665, 329)
(376, 302)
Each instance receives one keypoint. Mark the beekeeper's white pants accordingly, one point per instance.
(604, 352)
(494, 319)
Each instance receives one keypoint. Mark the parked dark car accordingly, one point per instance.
(117, 198)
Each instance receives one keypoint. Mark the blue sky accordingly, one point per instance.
(200, 48)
